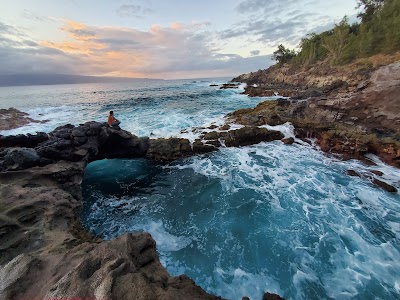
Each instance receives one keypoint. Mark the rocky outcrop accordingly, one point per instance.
(302, 82)
(45, 254)
(13, 118)
(245, 136)
(352, 124)
(44, 251)
(93, 141)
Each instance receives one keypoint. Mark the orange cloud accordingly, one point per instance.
(160, 52)
(177, 26)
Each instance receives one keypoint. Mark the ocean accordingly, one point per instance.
(240, 221)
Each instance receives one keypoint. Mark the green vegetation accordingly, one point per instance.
(378, 32)
(283, 55)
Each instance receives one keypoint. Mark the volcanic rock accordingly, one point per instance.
(288, 141)
(13, 118)
(269, 296)
(387, 187)
(353, 173)
(348, 123)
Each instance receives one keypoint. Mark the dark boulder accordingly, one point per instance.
(245, 136)
(200, 147)
(22, 140)
(168, 149)
(21, 158)
(269, 296)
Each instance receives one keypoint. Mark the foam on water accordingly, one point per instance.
(270, 217)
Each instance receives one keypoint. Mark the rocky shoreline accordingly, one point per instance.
(350, 118)
(12, 118)
(44, 251)
(46, 254)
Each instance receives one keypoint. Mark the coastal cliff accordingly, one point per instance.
(45, 253)
(350, 115)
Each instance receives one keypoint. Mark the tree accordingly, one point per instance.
(370, 7)
(337, 41)
(311, 50)
(283, 55)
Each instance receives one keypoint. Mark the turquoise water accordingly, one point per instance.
(240, 221)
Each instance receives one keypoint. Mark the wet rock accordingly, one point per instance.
(251, 135)
(376, 172)
(245, 298)
(350, 123)
(288, 141)
(387, 187)
(245, 136)
(168, 149)
(229, 86)
(353, 173)
(269, 296)
(200, 147)
(225, 127)
(13, 118)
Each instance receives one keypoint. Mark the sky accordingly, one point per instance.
(167, 39)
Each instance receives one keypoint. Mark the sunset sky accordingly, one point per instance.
(156, 39)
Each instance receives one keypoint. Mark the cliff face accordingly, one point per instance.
(315, 80)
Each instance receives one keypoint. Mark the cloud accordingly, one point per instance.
(28, 14)
(255, 52)
(177, 51)
(133, 10)
(273, 22)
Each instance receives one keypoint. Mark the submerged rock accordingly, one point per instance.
(353, 173)
(387, 187)
(288, 141)
(377, 173)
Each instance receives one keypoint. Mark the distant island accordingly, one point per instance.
(52, 79)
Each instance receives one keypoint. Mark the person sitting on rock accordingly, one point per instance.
(112, 121)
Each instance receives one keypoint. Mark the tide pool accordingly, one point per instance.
(270, 217)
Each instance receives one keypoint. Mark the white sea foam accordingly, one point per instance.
(166, 242)
(287, 129)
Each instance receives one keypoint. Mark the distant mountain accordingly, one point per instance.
(50, 79)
